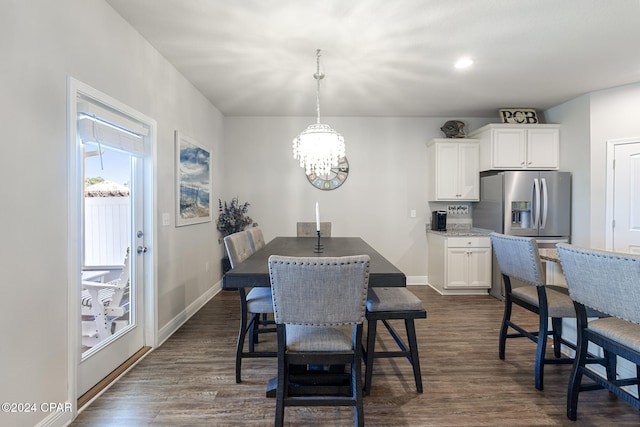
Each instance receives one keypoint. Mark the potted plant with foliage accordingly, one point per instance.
(232, 218)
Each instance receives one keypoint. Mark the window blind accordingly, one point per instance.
(98, 125)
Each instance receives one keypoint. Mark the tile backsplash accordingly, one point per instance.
(453, 210)
(461, 210)
(458, 214)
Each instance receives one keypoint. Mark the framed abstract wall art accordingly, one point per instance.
(193, 181)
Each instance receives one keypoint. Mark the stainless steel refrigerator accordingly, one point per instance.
(524, 203)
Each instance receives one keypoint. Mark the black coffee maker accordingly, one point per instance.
(439, 220)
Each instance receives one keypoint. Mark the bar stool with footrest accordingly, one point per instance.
(606, 282)
(519, 259)
(386, 304)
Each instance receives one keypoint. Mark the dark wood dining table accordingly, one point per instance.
(254, 271)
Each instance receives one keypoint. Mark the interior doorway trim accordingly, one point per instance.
(611, 146)
(74, 230)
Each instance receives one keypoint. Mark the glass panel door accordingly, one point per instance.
(107, 246)
(112, 243)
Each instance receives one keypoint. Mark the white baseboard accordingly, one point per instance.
(57, 417)
(481, 291)
(417, 280)
(174, 324)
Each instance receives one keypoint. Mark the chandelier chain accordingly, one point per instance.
(318, 76)
(318, 148)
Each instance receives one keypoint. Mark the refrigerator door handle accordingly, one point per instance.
(536, 197)
(545, 200)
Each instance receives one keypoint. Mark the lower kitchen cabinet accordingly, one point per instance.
(459, 265)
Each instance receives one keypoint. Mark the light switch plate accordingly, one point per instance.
(166, 220)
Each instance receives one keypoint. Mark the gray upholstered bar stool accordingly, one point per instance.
(386, 304)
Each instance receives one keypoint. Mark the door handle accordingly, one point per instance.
(141, 250)
(536, 197)
(545, 201)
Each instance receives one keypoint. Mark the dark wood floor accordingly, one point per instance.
(190, 379)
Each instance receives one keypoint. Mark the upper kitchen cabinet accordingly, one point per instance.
(509, 146)
(453, 170)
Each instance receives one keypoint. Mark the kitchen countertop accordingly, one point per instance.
(549, 254)
(461, 230)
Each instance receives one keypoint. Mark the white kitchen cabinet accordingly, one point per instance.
(509, 146)
(459, 265)
(453, 170)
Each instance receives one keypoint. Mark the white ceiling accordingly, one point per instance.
(392, 57)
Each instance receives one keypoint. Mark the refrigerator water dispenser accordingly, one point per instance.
(520, 214)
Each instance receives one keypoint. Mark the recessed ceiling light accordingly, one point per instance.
(464, 63)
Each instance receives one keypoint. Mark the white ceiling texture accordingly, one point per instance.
(392, 57)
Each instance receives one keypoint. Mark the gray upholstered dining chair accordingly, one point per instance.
(256, 303)
(610, 283)
(518, 259)
(256, 239)
(263, 323)
(310, 229)
(319, 308)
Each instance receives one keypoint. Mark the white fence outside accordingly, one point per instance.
(106, 230)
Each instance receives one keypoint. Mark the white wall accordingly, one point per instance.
(574, 157)
(42, 42)
(588, 122)
(614, 115)
(387, 179)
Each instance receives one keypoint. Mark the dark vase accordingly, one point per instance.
(226, 265)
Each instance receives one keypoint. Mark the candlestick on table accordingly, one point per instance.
(319, 248)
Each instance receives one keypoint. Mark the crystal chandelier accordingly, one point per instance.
(318, 147)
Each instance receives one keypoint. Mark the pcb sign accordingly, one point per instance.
(521, 116)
